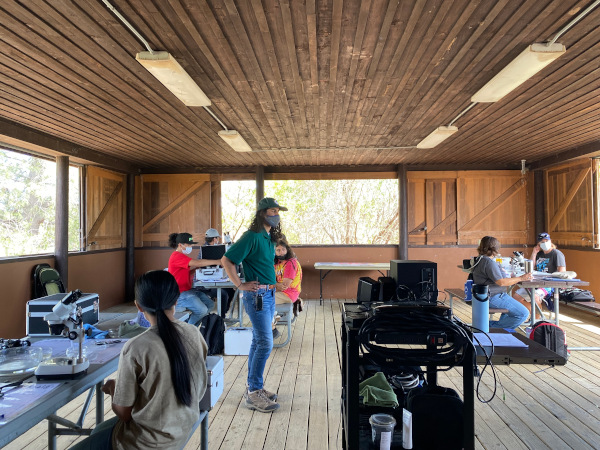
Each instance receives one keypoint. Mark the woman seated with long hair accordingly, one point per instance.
(487, 272)
(161, 376)
(289, 276)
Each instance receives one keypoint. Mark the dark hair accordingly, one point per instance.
(258, 222)
(208, 240)
(156, 291)
(172, 240)
(489, 246)
(289, 252)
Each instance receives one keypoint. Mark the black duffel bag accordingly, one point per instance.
(575, 295)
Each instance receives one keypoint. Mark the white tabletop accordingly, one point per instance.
(351, 266)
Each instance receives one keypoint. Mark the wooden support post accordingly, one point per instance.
(61, 232)
(260, 183)
(403, 212)
(216, 213)
(539, 202)
(130, 239)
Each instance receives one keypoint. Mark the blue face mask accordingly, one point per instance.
(272, 221)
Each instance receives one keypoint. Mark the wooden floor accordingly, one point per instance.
(536, 407)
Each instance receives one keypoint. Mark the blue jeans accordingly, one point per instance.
(517, 313)
(101, 437)
(262, 334)
(197, 302)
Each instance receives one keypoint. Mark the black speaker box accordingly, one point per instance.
(419, 277)
(387, 289)
(368, 290)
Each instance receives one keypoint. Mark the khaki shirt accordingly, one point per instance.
(144, 381)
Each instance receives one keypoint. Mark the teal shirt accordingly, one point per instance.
(256, 252)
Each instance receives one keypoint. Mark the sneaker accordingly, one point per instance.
(276, 333)
(259, 401)
(270, 395)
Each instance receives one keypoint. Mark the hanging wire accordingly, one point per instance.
(216, 118)
(573, 22)
(128, 25)
(147, 45)
(462, 113)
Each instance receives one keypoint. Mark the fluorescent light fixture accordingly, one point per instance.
(438, 135)
(168, 71)
(533, 59)
(235, 140)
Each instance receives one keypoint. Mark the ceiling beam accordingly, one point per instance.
(592, 149)
(18, 136)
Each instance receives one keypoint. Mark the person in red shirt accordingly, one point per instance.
(182, 267)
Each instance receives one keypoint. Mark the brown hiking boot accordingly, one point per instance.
(270, 395)
(259, 401)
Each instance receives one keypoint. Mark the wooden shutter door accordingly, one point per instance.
(492, 203)
(105, 209)
(175, 204)
(569, 200)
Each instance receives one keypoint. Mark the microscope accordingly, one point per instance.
(518, 263)
(65, 320)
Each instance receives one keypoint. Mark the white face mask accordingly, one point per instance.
(187, 250)
(546, 245)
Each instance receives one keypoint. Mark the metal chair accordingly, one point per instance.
(286, 311)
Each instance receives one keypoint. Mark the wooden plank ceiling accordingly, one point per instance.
(306, 83)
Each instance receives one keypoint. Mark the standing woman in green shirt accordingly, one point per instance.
(256, 251)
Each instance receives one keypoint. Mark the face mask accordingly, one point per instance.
(272, 221)
(187, 250)
(282, 257)
(546, 246)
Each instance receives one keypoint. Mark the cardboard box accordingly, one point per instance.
(215, 382)
(40, 307)
(238, 340)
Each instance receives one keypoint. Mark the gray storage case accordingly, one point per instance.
(214, 388)
(38, 308)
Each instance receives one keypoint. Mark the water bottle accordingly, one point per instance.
(481, 308)
(468, 292)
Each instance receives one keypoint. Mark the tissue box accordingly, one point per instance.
(238, 340)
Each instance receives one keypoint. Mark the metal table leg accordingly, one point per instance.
(204, 441)
(556, 304)
(240, 308)
(321, 278)
(219, 301)
(51, 435)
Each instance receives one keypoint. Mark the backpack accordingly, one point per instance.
(576, 295)
(212, 328)
(45, 281)
(436, 408)
(550, 336)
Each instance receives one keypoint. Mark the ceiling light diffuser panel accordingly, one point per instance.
(168, 71)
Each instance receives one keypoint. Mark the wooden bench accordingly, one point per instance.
(460, 295)
(585, 306)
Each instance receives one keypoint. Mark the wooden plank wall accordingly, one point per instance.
(174, 204)
(105, 209)
(459, 207)
(569, 203)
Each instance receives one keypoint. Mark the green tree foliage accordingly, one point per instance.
(328, 212)
(321, 212)
(238, 203)
(27, 205)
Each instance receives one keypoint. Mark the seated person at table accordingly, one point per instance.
(547, 258)
(161, 376)
(182, 267)
(288, 274)
(212, 237)
(487, 272)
